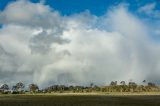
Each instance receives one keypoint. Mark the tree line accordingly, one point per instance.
(131, 86)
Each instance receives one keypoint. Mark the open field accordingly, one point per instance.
(79, 100)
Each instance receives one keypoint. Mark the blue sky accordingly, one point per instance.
(97, 7)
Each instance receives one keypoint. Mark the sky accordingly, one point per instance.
(79, 42)
(95, 7)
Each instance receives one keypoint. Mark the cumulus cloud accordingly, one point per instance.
(39, 45)
(30, 14)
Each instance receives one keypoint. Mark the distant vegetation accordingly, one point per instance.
(19, 88)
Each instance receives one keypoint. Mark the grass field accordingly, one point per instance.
(79, 100)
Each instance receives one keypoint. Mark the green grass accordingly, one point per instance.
(79, 100)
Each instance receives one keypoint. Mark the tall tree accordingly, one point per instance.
(33, 87)
(19, 86)
(4, 87)
(123, 83)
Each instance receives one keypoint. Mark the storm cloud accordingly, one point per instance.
(39, 45)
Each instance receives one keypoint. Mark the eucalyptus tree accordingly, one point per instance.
(20, 86)
(33, 88)
(4, 88)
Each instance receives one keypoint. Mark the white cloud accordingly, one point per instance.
(150, 10)
(24, 12)
(46, 48)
